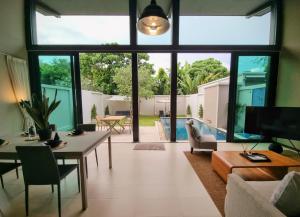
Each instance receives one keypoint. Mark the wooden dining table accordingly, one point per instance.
(112, 121)
(75, 147)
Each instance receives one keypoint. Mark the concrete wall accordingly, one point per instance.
(194, 100)
(223, 106)
(89, 98)
(210, 107)
(12, 41)
(288, 88)
(147, 107)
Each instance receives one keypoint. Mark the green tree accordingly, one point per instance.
(200, 72)
(162, 83)
(98, 69)
(93, 112)
(57, 72)
(200, 112)
(188, 110)
(106, 111)
(145, 79)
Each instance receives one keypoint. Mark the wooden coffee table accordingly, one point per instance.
(224, 162)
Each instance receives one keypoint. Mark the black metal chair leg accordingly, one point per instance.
(26, 199)
(52, 188)
(59, 200)
(86, 168)
(192, 149)
(2, 184)
(17, 171)
(96, 156)
(64, 162)
(78, 178)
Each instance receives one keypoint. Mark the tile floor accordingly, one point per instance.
(141, 183)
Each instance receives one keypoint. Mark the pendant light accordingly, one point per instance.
(153, 20)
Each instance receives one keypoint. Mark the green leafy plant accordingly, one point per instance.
(188, 110)
(200, 112)
(93, 112)
(40, 109)
(106, 112)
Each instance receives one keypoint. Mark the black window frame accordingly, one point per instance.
(273, 49)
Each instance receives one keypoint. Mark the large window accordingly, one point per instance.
(203, 90)
(207, 33)
(93, 22)
(224, 23)
(252, 80)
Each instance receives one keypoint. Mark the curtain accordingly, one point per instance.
(18, 74)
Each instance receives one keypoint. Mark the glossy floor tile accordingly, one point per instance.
(140, 184)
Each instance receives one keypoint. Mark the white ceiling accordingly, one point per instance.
(121, 7)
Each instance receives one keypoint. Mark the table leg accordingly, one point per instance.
(113, 126)
(109, 152)
(220, 167)
(83, 183)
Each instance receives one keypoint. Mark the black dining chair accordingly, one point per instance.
(6, 167)
(40, 168)
(88, 128)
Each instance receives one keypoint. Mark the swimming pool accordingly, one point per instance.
(181, 133)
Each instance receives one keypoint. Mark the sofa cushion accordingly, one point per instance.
(265, 188)
(286, 196)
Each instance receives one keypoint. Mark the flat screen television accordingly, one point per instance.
(280, 122)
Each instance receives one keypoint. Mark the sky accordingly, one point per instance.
(193, 30)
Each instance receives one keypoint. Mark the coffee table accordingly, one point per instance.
(224, 162)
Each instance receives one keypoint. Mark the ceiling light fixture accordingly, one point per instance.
(153, 20)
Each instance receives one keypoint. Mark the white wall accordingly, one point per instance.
(12, 41)
(223, 106)
(194, 100)
(89, 98)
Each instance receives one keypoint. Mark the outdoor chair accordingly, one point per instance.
(128, 123)
(40, 168)
(161, 113)
(125, 113)
(6, 167)
(198, 141)
(89, 128)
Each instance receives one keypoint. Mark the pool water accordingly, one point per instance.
(181, 133)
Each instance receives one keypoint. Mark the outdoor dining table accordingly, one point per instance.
(113, 121)
(75, 147)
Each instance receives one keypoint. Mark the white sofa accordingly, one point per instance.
(250, 198)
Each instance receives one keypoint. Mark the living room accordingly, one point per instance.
(255, 45)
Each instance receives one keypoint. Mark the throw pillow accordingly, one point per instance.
(286, 196)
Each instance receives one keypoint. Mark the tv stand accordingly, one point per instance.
(277, 147)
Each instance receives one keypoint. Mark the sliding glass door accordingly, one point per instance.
(252, 82)
(56, 80)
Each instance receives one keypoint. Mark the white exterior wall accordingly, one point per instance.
(146, 106)
(89, 98)
(213, 96)
(210, 108)
(223, 106)
(194, 100)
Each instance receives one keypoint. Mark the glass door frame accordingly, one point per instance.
(270, 96)
(35, 80)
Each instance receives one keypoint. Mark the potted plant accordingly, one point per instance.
(188, 111)
(200, 113)
(93, 112)
(40, 110)
(106, 112)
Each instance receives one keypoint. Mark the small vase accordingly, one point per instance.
(45, 134)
